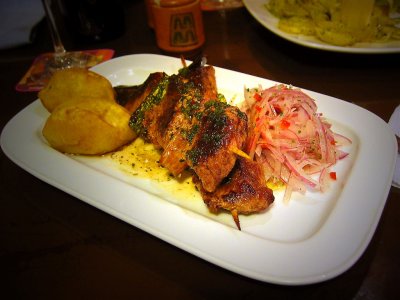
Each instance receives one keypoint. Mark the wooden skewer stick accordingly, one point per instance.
(236, 218)
(239, 152)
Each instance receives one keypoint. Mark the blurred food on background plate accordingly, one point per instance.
(338, 22)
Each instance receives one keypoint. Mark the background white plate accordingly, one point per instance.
(269, 21)
(314, 238)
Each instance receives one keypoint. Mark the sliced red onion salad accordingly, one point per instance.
(294, 142)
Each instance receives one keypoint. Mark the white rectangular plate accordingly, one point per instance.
(313, 238)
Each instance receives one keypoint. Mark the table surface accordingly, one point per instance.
(54, 246)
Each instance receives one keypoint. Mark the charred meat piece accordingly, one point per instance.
(183, 115)
(223, 128)
(174, 155)
(151, 118)
(244, 191)
(171, 96)
(131, 97)
(198, 86)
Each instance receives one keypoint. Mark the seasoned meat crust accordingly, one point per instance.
(243, 192)
(223, 128)
(131, 97)
(197, 88)
(184, 116)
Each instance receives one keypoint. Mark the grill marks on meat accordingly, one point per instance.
(148, 119)
(131, 97)
(223, 127)
(182, 115)
(243, 192)
(197, 88)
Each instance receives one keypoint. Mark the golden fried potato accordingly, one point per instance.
(90, 127)
(75, 84)
(335, 34)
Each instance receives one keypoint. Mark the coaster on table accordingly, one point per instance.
(38, 75)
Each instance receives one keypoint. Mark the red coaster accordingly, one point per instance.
(38, 75)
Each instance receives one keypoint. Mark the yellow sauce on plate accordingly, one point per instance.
(141, 159)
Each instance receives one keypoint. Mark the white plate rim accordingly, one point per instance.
(265, 18)
(314, 260)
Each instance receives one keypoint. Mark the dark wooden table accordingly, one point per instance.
(54, 246)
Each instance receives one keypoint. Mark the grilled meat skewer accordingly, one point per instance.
(198, 86)
(243, 192)
(223, 128)
(183, 115)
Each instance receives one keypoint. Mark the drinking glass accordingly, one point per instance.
(61, 59)
(44, 66)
